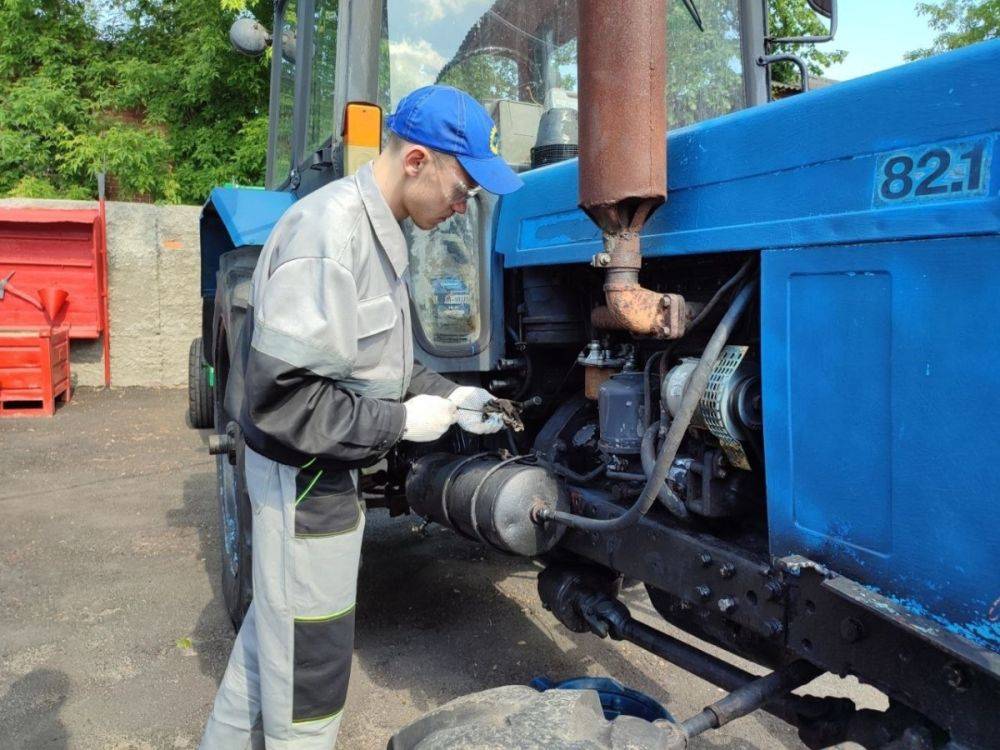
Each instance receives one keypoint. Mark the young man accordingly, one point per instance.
(324, 384)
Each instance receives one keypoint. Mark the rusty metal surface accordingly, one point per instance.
(642, 312)
(593, 377)
(623, 153)
(631, 307)
(623, 120)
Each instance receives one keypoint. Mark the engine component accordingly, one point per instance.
(557, 139)
(488, 499)
(599, 364)
(619, 408)
(551, 312)
(675, 383)
(672, 440)
(730, 407)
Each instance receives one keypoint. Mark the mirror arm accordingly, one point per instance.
(765, 60)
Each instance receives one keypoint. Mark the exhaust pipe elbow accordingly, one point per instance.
(630, 306)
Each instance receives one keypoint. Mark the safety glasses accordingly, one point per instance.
(460, 192)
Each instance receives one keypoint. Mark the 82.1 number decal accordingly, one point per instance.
(944, 171)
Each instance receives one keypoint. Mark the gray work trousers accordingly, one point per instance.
(291, 661)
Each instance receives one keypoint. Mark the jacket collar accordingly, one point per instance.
(387, 229)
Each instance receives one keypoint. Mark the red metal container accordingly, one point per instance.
(34, 371)
(55, 258)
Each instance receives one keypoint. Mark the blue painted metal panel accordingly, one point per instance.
(881, 375)
(798, 172)
(249, 214)
(236, 217)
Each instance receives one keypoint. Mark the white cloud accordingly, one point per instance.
(434, 10)
(412, 65)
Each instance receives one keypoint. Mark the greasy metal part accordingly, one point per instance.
(599, 364)
(675, 433)
(582, 599)
(952, 682)
(632, 307)
(751, 696)
(488, 499)
(623, 153)
(509, 411)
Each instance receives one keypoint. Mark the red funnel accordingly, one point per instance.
(53, 299)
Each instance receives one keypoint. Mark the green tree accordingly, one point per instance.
(791, 18)
(147, 90)
(959, 23)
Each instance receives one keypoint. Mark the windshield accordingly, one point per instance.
(525, 51)
(519, 58)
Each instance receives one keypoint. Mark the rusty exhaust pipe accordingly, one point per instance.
(623, 156)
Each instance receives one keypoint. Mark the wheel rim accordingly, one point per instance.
(230, 526)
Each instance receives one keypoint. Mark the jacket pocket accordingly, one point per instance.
(326, 503)
(377, 318)
(376, 315)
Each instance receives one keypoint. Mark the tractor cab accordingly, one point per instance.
(519, 59)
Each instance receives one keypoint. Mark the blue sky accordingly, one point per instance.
(877, 33)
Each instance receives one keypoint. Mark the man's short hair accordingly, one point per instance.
(394, 143)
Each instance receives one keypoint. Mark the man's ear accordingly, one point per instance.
(415, 159)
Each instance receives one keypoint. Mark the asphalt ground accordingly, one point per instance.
(112, 628)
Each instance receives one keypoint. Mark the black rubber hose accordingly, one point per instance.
(647, 397)
(567, 472)
(733, 281)
(697, 384)
(695, 322)
(648, 455)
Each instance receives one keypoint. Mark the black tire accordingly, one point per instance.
(201, 395)
(235, 528)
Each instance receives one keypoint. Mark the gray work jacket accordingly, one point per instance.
(326, 350)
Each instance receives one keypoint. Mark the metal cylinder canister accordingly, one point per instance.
(619, 406)
(488, 499)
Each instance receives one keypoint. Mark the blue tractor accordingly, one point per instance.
(765, 397)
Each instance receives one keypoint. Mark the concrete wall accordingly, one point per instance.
(154, 294)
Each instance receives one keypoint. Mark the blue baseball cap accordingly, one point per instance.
(450, 121)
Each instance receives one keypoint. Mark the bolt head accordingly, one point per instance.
(706, 559)
(851, 631)
(774, 589)
(727, 570)
(773, 628)
(956, 676)
(703, 592)
(728, 605)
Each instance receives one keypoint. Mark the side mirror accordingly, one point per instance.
(249, 37)
(823, 7)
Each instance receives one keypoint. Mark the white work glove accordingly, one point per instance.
(427, 418)
(470, 402)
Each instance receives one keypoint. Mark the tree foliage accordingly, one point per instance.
(792, 18)
(959, 23)
(148, 91)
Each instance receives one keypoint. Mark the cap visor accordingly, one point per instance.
(493, 174)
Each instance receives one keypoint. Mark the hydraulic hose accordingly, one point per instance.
(695, 322)
(733, 281)
(648, 455)
(682, 419)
